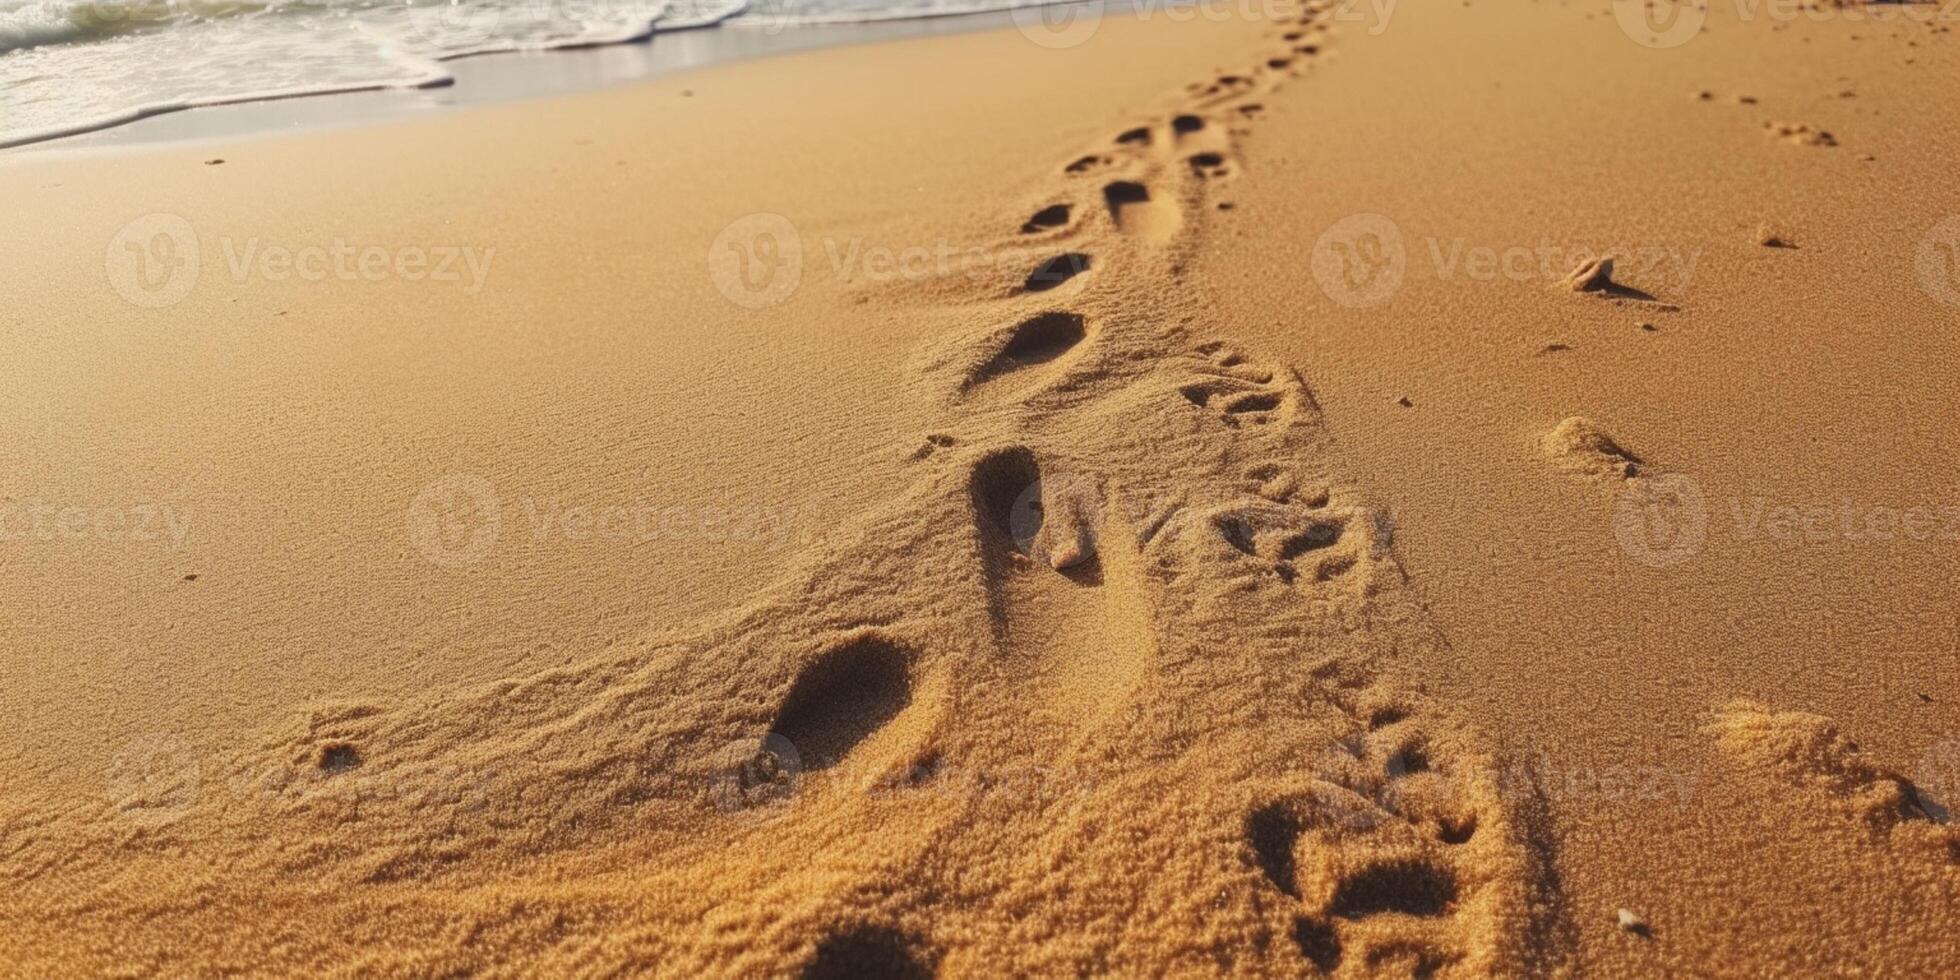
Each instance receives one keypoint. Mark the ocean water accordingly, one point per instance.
(68, 66)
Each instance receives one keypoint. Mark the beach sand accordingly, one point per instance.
(1180, 499)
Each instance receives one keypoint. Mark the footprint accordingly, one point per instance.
(934, 441)
(1135, 212)
(1053, 522)
(1237, 401)
(1399, 867)
(1064, 588)
(1288, 541)
(1039, 339)
(1318, 942)
(1406, 886)
(1052, 216)
(1083, 165)
(842, 698)
(339, 757)
(1801, 134)
(1140, 136)
(868, 951)
(1226, 86)
(1006, 491)
(1241, 393)
(1275, 483)
(1055, 271)
(1208, 164)
(1272, 831)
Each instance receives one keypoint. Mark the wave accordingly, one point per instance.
(69, 67)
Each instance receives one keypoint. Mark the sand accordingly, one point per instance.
(1152, 506)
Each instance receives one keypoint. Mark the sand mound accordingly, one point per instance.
(1581, 445)
(1808, 753)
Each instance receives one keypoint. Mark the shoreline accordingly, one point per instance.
(513, 76)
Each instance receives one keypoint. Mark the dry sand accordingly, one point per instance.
(1171, 560)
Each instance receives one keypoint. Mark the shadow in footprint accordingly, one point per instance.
(867, 951)
(1007, 505)
(1006, 490)
(1036, 340)
(1122, 193)
(1056, 271)
(339, 757)
(1272, 830)
(1207, 164)
(1133, 212)
(843, 698)
(1318, 943)
(1317, 535)
(1052, 216)
(1408, 887)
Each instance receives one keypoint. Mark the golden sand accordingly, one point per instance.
(1161, 505)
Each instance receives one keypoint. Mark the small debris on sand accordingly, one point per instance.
(1590, 276)
(1800, 133)
(1632, 923)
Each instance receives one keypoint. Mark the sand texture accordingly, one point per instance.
(1201, 572)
